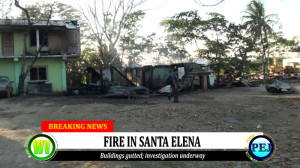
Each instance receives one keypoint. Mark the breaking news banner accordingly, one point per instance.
(96, 141)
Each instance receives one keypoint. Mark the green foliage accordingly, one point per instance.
(131, 44)
(279, 61)
(226, 45)
(216, 23)
(259, 26)
(61, 11)
(183, 29)
(257, 22)
(240, 45)
(6, 8)
(292, 45)
(255, 66)
(216, 42)
(280, 46)
(133, 19)
(76, 69)
(185, 26)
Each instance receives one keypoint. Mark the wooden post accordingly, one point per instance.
(37, 39)
(193, 82)
(112, 75)
(205, 82)
(125, 77)
(101, 77)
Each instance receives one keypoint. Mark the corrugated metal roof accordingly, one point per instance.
(52, 23)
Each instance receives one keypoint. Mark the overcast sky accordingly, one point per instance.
(287, 10)
(156, 10)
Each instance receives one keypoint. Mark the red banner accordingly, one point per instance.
(77, 126)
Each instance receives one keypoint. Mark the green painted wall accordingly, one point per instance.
(64, 75)
(0, 44)
(54, 71)
(11, 67)
(18, 43)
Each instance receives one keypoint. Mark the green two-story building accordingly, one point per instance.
(60, 41)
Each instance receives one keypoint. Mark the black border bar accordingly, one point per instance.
(151, 155)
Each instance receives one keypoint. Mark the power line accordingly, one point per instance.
(202, 4)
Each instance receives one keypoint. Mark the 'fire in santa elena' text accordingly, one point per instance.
(151, 141)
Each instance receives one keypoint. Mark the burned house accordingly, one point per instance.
(191, 76)
(61, 41)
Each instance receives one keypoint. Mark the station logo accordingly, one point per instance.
(262, 147)
(41, 147)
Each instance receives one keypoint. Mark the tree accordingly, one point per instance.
(77, 69)
(107, 22)
(131, 44)
(280, 45)
(24, 71)
(295, 44)
(259, 25)
(155, 50)
(60, 11)
(6, 7)
(184, 29)
(40, 11)
(240, 45)
(216, 42)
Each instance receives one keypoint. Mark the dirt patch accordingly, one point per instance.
(233, 110)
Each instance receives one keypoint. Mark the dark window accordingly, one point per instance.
(43, 35)
(42, 74)
(34, 74)
(32, 38)
(7, 44)
(38, 74)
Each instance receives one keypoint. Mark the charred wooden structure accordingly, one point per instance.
(191, 75)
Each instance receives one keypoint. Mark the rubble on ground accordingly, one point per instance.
(243, 83)
(280, 87)
(121, 91)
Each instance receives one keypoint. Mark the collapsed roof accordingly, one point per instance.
(38, 23)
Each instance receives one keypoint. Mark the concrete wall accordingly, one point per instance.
(60, 42)
(56, 71)
(18, 43)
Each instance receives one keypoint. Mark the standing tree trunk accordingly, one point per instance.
(263, 58)
(106, 20)
(21, 85)
(267, 48)
(218, 66)
(24, 70)
(218, 59)
(23, 75)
